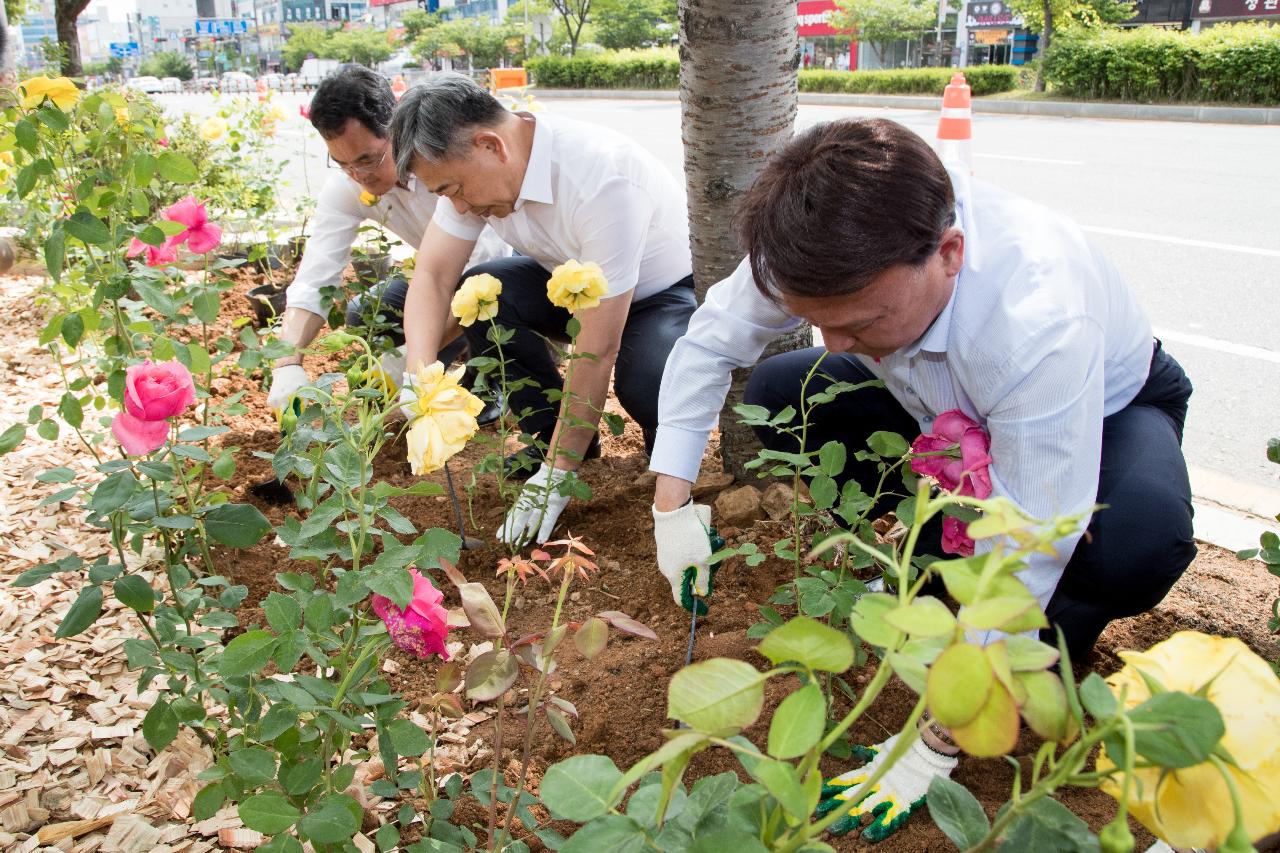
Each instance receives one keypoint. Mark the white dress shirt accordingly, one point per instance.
(592, 194)
(1041, 340)
(404, 211)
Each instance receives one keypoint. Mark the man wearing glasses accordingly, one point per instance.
(352, 111)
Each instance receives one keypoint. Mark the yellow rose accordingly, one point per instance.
(368, 199)
(576, 286)
(1192, 807)
(477, 299)
(60, 90)
(276, 113)
(122, 116)
(444, 417)
(6, 157)
(213, 128)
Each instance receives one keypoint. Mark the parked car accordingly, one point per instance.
(237, 81)
(273, 81)
(146, 83)
(206, 84)
(171, 84)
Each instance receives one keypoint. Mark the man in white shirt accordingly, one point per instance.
(956, 295)
(351, 110)
(555, 190)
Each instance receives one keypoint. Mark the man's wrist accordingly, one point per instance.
(288, 361)
(670, 493)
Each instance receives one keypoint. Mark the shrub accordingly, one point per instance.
(1237, 63)
(983, 79)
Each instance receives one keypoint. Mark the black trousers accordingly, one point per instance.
(1135, 549)
(653, 326)
(384, 302)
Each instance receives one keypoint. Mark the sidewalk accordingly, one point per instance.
(1069, 109)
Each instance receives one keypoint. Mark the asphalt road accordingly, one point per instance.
(1188, 212)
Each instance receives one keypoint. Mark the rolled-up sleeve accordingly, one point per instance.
(334, 230)
(731, 328)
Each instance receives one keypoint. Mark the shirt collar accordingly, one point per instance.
(938, 334)
(537, 175)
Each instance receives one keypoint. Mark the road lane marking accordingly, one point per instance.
(1183, 241)
(1022, 159)
(1230, 347)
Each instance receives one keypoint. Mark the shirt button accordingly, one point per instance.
(911, 391)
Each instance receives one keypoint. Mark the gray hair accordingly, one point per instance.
(433, 116)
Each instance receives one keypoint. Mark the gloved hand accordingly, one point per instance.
(285, 382)
(684, 539)
(537, 509)
(894, 798)
(408, 396)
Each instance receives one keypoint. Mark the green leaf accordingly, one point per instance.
(253, 765)
(925, 617)
(207, 802)
(1028, 655)
(810, 643)
(177, 168)
(144, 168)
(302, 777)
(1097, 697)
(85, 611)
(716, 696)
(1173, 730)
(888, 444)
(282, 844)
(1011, 614)
(269, 813)
(579, 788)
(957, 812)
(283, 612)
(55, 253)
(783, 782)
(205, 305)
(831, 458)
(247, 654)
(276, 722)
(72, 329)
(114, 492)
(136, 594)
(614, 833)
(798, 723)
(87, 228)
(236, 525)
(959, 684)
(160, 725)
(334, 822)
(408, 739)
(868, 619)
(1047, 826)
(12, 437)
(491, 674)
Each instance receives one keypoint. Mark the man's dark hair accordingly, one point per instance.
(435, 115)
(352, 92)
(840, 204)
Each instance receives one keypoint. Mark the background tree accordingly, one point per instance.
(733, 53)
(367, 47)
(417, 21)
(574, 15)
(168, 63)
(65, 13)
(621, 24)
(880, 23)
(304, 40)
(1046, 16)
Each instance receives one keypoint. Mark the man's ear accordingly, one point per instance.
(951, 248)
(492, 142)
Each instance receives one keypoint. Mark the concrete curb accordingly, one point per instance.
(1066, 109)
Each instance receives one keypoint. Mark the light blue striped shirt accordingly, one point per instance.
(1041, 340)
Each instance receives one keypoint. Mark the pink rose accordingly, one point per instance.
(201, 236)
(420, 628)
(930, 456)
(136, 436)
(304, 110)
(157, 256)
(955, 537)
(162, 142)
(154, 391)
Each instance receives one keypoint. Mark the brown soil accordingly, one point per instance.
(621, 694)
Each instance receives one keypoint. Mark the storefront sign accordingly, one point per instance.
(814, 18)
(992, 14)
(1234, 8)
(991, 36)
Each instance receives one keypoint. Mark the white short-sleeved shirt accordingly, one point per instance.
(592, 194)
(404, 211)
(1041, 340)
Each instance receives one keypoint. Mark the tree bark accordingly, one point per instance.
(8, 65)
(738, 102)
(1044, 44)
(65, 13)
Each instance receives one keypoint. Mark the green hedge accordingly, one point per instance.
(611, 72)
(1233, 63)
(983, 79)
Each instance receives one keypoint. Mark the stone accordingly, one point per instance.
(739, 507)
(711, 482)
(777, 500)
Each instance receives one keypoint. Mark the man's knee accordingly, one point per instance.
(772, 384)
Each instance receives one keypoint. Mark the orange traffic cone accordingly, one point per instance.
(399, 87)
(955, 127)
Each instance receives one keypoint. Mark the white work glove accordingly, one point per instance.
(900, 791)
(682, 539)
(285, 382)
(392, 363)
(408, 396)
(537, 509)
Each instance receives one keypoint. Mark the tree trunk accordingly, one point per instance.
(738, 102)
(65, 13)
(1044, 44)
(8, 66)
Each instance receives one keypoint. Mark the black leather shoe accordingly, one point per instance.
(491, 412)
(522, 464)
